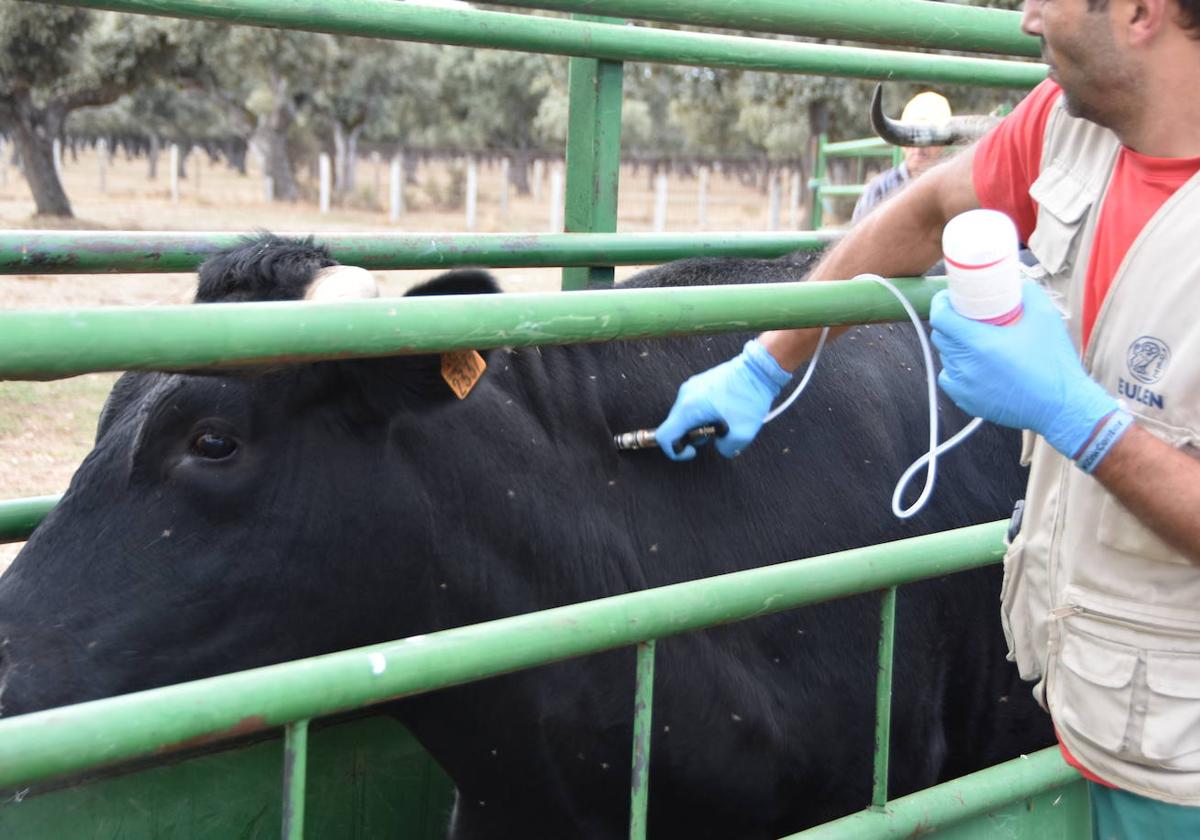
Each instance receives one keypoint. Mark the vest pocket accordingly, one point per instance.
(1017, 608)
(1095, 684)
(1063, 200)
(1121, 530)
(1172, 733)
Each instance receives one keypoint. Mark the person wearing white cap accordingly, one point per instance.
(926, 108)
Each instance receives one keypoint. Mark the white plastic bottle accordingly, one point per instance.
(980, 248)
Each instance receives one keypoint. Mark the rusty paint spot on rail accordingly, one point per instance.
(245, 726)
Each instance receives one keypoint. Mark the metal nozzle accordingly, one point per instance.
(645, 439)
(638, 439)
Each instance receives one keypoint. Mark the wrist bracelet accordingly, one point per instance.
(1110, 432)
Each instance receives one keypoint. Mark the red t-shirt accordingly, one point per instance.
(1008, 160)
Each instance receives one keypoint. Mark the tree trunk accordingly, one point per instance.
(341, 141)
(153, 156)
(351, 162)
(235, 151)
(34, 130)
(518, 172)
(345, 157)
(820, 117)
(185, 149)
(278, 165)
(272, 134)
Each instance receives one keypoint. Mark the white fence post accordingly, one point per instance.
(539, 167)
(702, 200)
(505, 164)
(268, 188)
(57, 149)
(660, 202)
(774, 202)
(3, 163)
(556, 199)
(174, 173)
(472, 191)
(794, 201)
(325, 168)
(396, 189)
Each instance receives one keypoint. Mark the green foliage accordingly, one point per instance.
(38, 44)
(78, 58)
(198, 80)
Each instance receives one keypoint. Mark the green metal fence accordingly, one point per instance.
(34, 345)
(871, 147)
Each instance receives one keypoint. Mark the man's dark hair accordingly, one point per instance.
(1189, 13)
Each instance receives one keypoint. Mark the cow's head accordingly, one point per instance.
(241, 518)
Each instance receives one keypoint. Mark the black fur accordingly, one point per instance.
(263, 268)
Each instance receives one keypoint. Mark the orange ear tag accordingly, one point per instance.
(462, 370)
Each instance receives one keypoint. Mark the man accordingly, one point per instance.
(925, 108)
(1101, 600)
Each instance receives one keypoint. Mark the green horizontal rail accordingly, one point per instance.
(57, 343)
(88, 735)
(94, 252)
(867, 147)
(915, 23)
(18, 517)
(527, 33)
(928, 811)
(843, 189)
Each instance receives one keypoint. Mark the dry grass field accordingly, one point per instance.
(47, 428)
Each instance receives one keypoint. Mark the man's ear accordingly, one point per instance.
(391, 383)
(1143, 20)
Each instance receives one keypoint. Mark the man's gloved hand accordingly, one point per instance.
(738, 392)
(1026, 375)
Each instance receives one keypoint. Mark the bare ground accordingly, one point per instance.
(47, 428)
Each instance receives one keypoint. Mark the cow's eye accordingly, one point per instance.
(213, 446)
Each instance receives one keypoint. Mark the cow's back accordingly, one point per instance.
(772, 717)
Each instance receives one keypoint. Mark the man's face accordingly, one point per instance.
(1084, 59)
(920, 158)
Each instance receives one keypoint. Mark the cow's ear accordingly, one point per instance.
(392, 383)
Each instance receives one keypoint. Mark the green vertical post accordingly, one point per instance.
(295, 777)
(817, 181)
(643, 705)
(593, 155)
(883, 699)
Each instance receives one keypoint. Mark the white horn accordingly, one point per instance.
(342, 282)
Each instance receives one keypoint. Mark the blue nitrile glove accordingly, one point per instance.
(738, 392)
(1026, 375)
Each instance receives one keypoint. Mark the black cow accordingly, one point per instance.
(224, 522)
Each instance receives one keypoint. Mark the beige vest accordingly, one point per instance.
(1099, 610)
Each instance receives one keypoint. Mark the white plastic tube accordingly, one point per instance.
(935, 449)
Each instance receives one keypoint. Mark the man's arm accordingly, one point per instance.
(903, 236)
(1159, 484)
